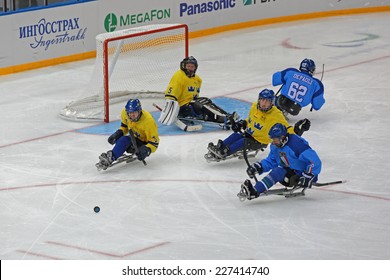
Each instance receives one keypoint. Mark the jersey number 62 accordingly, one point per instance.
(296, 91)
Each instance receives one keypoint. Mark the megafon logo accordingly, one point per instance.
(253, 2)
(206, 7)
(110, 22)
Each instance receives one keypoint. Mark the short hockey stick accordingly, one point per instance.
(329, 183)
(134, 142)
(322, 75)
(323, 71)
(277, 93)
(180, 124)
(244, 152)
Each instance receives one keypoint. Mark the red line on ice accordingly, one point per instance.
(106, 253)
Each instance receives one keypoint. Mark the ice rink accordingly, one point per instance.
(179, 207)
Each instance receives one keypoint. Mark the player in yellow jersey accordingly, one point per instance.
(262, 116)
(145, 132)
(182, 97)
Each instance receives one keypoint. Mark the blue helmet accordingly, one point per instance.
(278, 131)
(308, 65)
(266, 94)
(134, 105)
(189, 60)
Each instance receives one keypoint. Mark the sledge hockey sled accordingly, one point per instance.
(286, 192)
(124, 158)
(213, 156)
(226, 125)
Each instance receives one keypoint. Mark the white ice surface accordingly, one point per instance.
(179, 206)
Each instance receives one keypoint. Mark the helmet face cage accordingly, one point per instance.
(133, 105)
(266, 94)
(186, 61)
(308, 65)
(278, 134)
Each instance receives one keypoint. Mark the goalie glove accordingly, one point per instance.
(169, 114)
(305, 181)
(253, 169)
(115, 136)
(301, 126)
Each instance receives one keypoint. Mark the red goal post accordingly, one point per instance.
(130, 63)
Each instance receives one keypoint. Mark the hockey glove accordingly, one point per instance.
(115, 136)
(253, 169)
(143, 152)
(236, 127)
(301, 126)
(305, 181)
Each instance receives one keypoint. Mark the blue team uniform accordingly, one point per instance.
(296, 155)
(300, 87)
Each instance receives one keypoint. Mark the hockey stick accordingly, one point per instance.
(329, 183)
(322, 75)
(277, 93)
(134, 142)
(323, 70)
(244, 152)
(180, 124)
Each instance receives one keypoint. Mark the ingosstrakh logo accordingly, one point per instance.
(110, 22)
(46, 33)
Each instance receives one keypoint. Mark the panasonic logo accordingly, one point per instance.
(206, 7)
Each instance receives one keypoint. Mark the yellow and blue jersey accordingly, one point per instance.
(182, 88)
(259, 123)
(145, 129)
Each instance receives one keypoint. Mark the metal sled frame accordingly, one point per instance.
(213, 157)
(282, 192)
(124, 158)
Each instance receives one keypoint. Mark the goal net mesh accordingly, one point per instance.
(131, 63)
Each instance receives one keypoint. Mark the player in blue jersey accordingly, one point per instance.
(291, 162)
(182, 97)
(145, 133)
(299, 88)
(252, 132)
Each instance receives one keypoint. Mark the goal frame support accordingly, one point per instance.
(106, 70)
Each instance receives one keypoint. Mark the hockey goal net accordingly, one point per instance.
(131, 63)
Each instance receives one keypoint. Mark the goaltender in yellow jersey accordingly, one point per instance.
(182, 100)
(182, 88)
